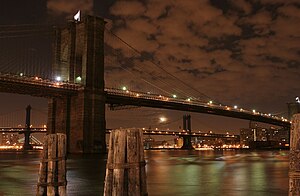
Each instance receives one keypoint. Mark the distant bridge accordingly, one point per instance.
(145, 132)
(21, 130)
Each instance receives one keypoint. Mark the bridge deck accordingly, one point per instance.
(45, 88)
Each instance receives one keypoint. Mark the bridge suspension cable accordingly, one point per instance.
(142, 69)
(26, 49)
(144, 80)
(132, 65)
(12, 119)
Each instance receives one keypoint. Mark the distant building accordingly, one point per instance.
(279, 134)
(8, 139)
(256, 137)
(178, 142)
(247, 135)
(217, 140)
(151, 143)
(148, 143)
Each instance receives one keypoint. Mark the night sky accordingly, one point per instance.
(244, 52)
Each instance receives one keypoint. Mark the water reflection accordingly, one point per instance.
(217, 173)
(169, 172)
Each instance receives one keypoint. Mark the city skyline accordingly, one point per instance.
(242, 53)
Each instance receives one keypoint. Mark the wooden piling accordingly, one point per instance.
(51, 178)
(61, 165)
(294, 173)
(142, 165)
(42, 179)
(125, 169)
(52, 173)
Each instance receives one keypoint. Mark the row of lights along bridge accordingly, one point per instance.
(173, 98)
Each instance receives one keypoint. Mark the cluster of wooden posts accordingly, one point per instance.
(125, 169)
(52, 172)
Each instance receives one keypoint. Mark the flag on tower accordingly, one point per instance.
(77, 16)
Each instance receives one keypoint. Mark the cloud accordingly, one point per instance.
(242, 6)
(132, 8)
(245, 54)
(69, 7)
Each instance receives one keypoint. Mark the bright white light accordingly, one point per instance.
(235, 107)
(162, 119)
(253, 111)
(210, 102)
(124, 88)
(174, 96)
(77, 16)
(21, 74)
(58, 78)
(188, 99)
(78, 79)
(297, 100)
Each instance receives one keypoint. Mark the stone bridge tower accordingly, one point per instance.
(79, 58)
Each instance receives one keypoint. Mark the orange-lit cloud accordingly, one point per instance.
(69, 7)
(247, 51)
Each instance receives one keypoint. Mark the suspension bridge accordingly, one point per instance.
(12, 126)
(87, 70)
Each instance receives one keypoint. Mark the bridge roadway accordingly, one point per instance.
(115, 96)
(145, 132)
(185, 133)
(35, 86)
(22, 130)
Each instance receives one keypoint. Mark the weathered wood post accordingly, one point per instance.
(125, 169)
(294, 174)
(52, 173)
(52, 140)
(61, 165)
(42, 179)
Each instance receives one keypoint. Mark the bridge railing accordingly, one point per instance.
(38, 81)
(135, 94)
(126, 93)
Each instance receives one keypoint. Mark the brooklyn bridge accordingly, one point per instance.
(74, 82)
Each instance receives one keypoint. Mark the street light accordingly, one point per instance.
(78, 79)
(162, 119)
(58, 78)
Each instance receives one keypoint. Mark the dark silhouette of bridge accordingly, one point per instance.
(77, 97)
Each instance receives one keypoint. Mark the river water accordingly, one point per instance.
(169, 172)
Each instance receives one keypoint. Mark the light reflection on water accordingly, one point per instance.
(170, 172)
(217, 173)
